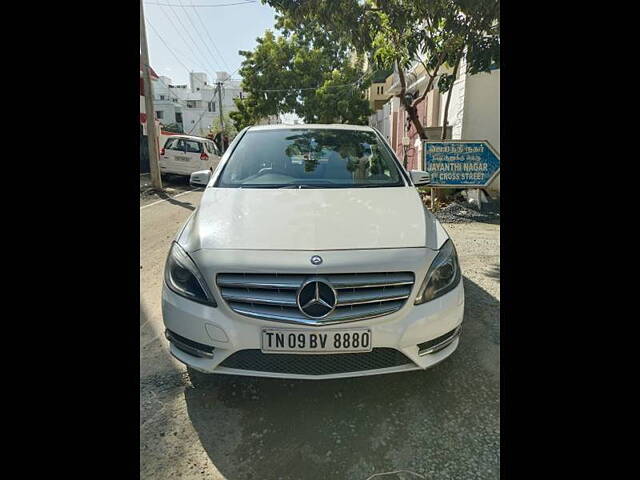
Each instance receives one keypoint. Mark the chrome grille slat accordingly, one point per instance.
(365, 280)
(260, 281)
(369, 295)
(273, 297)
(339, 315)
(261, 296)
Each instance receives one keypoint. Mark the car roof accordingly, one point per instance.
(317, 126)
(189, 137)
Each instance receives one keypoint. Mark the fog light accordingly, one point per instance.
(438, 343)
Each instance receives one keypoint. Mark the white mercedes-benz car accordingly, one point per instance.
(311, 256)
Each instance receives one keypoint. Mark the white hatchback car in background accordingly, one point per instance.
(311, 255)
(184, 154)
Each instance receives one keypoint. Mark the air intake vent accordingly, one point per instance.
(316, 364)
(189, 346)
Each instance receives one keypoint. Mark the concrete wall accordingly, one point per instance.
(482, 108)
(168, 110)
(474, 110)
(197, 81)
(432, 109)
(381, 120)
(482, 112)
(376, 95)
(197, 127)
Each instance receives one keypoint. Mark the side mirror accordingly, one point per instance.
(418, 177)
(200, 178)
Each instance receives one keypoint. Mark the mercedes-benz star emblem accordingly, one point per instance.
(316, 299)
(316, 259)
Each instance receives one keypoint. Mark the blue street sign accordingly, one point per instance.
(461, 163)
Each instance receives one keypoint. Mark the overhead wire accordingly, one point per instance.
(203, 56)
(208, 35)
(216, 62)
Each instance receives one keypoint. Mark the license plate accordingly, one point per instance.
(276, 340)
(183, 159)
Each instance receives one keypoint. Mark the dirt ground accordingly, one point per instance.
(442, 423)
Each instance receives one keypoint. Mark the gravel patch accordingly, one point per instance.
(463, 213)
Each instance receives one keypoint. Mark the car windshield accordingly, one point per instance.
(310, 158)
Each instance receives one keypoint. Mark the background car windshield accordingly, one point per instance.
(310, 158)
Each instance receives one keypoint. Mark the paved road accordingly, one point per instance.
(442, 423)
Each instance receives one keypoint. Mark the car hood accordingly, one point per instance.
(310, 219)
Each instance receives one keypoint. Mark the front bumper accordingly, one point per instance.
(425, 334)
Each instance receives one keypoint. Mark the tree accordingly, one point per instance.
(245, 115)
(401, 33)
(229, 130)
(302, 73)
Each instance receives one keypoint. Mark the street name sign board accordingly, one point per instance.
(461, 163)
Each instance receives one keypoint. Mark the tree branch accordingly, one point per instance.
(446, 107)
(410, 109)
(403, 83)
(431, 79)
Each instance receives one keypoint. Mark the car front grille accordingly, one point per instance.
(274, 296)
(315, 364)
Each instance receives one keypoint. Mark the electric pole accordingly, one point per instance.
(219, 85)
(156, 180)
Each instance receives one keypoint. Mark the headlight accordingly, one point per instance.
(183, 277)
(443, 275)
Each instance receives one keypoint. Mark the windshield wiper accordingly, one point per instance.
(304, 185)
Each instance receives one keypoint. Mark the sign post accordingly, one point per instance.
(460, 163)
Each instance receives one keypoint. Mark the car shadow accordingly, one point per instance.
(441, 423)
(173, 201)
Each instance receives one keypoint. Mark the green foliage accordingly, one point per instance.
(245, 115)
(229, 130)
(304, 73)
(399, 32)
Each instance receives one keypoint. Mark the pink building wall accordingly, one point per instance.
(413, 153)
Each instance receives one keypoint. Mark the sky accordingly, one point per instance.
(181, 24)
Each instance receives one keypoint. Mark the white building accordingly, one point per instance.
(195, 108)
(474, 110)
(167, 101)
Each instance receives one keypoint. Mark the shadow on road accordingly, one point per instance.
(494, 272)
(442, 422)
(173, 201)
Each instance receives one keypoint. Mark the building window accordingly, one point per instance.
(178, 117)
(381, 90)
(161, 97)
(212, 106)
(160, 115)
